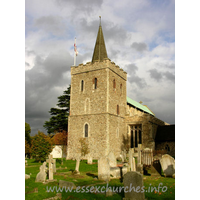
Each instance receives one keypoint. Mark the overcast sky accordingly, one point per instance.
(139, 37)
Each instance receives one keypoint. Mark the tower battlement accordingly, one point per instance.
(98, 65)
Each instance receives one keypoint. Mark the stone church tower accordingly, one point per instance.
(97, 105)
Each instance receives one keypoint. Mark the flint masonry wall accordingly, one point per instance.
(97, 107)
(149, 124)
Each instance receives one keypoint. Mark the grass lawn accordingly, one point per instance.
(88, 177)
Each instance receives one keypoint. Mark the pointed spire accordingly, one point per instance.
(100, 47)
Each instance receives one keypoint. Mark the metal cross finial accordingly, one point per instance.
(100, 21)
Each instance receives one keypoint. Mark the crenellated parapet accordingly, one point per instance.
(98, 65)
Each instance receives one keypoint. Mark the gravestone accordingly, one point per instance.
(112, 159)
(156, 168)
(130, 160)
(26, 175)
(168, 165)
(139, 153)
(89, 160)
(41, 176)
(134, 166)
(118, 172)
(66, 184)
(104, 169)
(133, 186)
(77, 165)
(139, 167)
(50, 161)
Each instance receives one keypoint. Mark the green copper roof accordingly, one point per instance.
(138, 105)
(100, 48)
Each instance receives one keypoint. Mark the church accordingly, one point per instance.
(101, 112)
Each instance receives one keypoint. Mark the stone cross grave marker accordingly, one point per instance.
(133, 186)
(50, 161)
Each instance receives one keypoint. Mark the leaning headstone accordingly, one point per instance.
(155, 168)
(41, 176)
(103, 169)
(168, 165)
(112, 159)
(133, 186)
(89, 160)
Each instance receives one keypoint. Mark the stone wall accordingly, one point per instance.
(102, 107)
(148, 122)
(162, 146)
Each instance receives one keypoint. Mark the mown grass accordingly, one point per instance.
(88, 177)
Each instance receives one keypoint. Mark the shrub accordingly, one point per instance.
(41, 146)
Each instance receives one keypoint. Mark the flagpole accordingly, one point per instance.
(75, 53)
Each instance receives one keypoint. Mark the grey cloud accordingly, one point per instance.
(133, 78)
(27, 64)
(139, 46)
(165, 65)
(110, 31)
(44, 83)
(155, 74)
(79, 5)
(53, 24)
(169, 76)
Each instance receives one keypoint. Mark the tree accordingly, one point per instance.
(41, 146)
(27, 133)
(27, 149)
(84, 147)
(61, 139)
(59, 120)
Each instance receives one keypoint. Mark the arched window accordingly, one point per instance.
(114, 85)
(86, 130)
(95, 83)
(118, 109)
(82, 85)
(120, 89)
